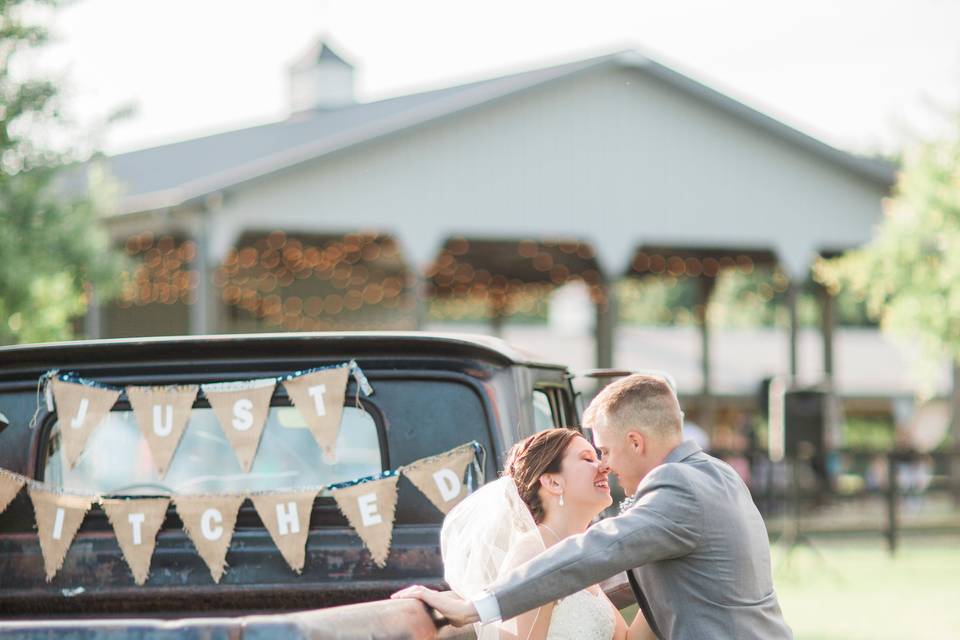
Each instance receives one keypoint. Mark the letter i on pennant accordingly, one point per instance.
(58, 517)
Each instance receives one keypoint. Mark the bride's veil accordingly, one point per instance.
(478, 537)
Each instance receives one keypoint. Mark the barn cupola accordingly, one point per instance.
(320, 79)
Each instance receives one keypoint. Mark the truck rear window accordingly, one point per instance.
(117, 460)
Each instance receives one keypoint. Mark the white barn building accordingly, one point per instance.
(593, 170)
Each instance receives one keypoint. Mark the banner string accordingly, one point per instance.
(43, 388)
(98, 497)
(363, 384)
(77, 502)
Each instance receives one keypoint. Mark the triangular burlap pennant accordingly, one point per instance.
(209, 521)
(136, 523)
(58, 518)
(370, 508)
(319, 398)
(162, 414)
(80, 409)
(287, 518)
(440, 477)
(10, 485)
(241, 408)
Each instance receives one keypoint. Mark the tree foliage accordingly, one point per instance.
(52, 249)
(909, 274)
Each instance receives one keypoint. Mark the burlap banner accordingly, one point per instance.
(80, 409)
(241, 408)
(440, 477)
(369, 505)
(58, 518)
(136, 523)
(162, 414)
(209, 521)
(10, 485)
(370, 508)
(287, 517)
(318, 396)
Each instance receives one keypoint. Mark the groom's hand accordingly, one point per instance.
(455, 609)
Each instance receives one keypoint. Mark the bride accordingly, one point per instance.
(553, 486)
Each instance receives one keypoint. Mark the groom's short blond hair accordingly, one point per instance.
(640, 402)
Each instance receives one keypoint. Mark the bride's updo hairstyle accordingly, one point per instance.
(531, 458)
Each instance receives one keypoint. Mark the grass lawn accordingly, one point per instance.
(855, 590)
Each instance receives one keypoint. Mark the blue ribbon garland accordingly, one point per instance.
(75, 378)
(352, 483)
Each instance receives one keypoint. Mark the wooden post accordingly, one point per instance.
(707, 404)
(201, 316)
(605, 326)
(792, 291)
(421, 301)
(955, 431)
(893, 491)
(828, 322)
(496, 320)
(93, 320)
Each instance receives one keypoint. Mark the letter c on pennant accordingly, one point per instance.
(209, 517)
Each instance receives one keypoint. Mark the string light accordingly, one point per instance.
(164, 274)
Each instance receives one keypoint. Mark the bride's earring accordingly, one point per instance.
(561, 498)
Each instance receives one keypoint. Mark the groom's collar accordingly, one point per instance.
(683, 451)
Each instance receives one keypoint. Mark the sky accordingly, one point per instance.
(864, 75)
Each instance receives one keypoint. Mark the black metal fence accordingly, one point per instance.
(854, 491)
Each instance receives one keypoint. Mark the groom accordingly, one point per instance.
(692, 538)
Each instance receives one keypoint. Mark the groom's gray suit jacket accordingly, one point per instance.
(696, 544)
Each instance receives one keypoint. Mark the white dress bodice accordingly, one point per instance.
(582, 616)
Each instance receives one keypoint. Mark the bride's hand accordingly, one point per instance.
(454, 608)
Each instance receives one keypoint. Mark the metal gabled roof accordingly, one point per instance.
(174, 174)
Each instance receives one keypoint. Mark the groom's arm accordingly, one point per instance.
(666, 522)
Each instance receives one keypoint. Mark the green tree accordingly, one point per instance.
(909, 273)
(53, 251)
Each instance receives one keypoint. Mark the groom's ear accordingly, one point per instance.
(636, 442)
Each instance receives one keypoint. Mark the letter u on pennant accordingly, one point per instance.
(162, 414)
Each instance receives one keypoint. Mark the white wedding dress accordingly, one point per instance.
(477, 540)
(582, 616)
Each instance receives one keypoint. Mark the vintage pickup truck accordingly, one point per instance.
(431, 393)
